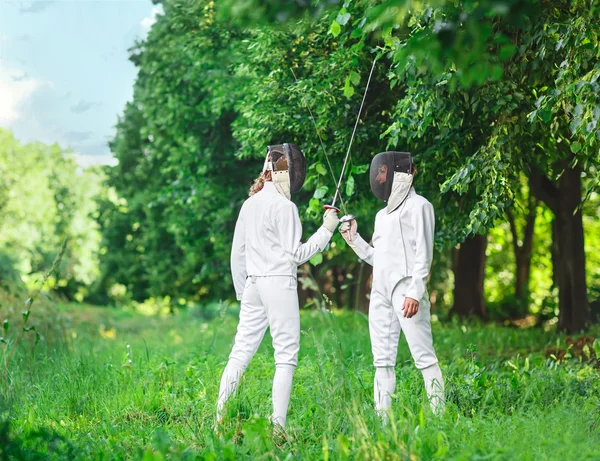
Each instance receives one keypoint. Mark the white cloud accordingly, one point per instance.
(147, 23)
(36, 7)
(89, 160)
(15, 88)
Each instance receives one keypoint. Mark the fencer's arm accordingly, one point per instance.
(362, 249)
(238, 258)
(423, 221)
(289, 229)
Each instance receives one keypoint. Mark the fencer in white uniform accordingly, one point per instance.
(265, 256)
(401, 257)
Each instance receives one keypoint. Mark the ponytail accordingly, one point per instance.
(260, 182)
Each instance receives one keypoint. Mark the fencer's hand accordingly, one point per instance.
(348, 230)
(331, 220)
(410, 308)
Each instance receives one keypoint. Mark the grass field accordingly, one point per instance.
(113, 384)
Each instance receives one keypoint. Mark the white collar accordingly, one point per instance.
(268, 185)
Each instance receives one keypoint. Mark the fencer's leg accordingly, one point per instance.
(250, 332)
(434, 385)
(280, 296)
(385, 385)
(417, 331)
(384, 330)
(230, 381)
(282, 390)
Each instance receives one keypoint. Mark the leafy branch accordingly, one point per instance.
(8, 347)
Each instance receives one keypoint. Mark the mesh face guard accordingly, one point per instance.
(289, 157)
(382, 171)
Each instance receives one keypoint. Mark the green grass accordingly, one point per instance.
(118, 385)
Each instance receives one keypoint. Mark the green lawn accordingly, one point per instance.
(108, 384)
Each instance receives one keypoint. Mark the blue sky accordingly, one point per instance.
(64, 69)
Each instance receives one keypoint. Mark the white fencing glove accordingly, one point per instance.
(330, 220)
(348, 229)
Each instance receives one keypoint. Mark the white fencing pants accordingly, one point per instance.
(267, 302)
(386, 322)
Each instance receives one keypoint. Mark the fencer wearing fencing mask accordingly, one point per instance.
(401, 257)
(265, 255)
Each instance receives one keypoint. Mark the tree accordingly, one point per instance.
(529, 53)
(454, 84)
(178, 182)
(565, 54)
(523, 240)
(46, 199)
(469, 274)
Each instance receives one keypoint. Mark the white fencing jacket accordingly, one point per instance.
(267, 237)
(402, 246)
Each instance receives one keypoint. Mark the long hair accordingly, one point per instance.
(260, 182)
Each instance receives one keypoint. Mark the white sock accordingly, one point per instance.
(434, 385)
(282, 388)
(229, 384)
(385, 384)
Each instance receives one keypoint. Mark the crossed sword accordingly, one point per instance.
(347, 217)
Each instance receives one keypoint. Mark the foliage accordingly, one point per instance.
(468, 87)
(177, 181)
(481, 92)
(47, 199)
(570, 40)
(208, 100)
(14, 331)
(41, 444)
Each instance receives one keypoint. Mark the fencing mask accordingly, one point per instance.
(391, 177)
(288, 168)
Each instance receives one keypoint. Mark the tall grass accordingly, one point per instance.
(21, 324)
(125, 386)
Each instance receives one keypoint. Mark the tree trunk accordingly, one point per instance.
(574, 313)
(469, 273)
(569, 256)
(363, 287)
(523, 250)
(554, 253)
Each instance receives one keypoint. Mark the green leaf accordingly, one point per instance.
(360, 169)
(386, 34)
(354, 78)
(343, 17)
(507, 51)
(320, 192)
(357, 47)
(5, 326)
(321, 169)
(25, 315)
(545, 115)
(596, 346)
(316, 259)
(575, 147)
(348, 88)
(314, 206)
(350, 186)
(334, 29)
(496, 72)
(356, 33)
